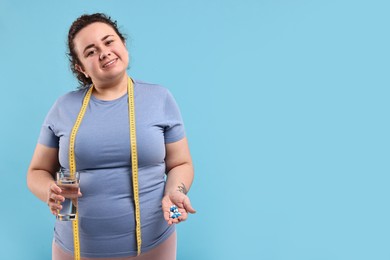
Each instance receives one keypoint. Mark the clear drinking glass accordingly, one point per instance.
(69, 185)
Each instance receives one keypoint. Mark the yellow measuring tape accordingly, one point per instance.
(134, 164)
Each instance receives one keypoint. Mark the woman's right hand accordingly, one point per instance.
(55, 198)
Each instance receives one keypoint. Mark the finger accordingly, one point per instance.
(54, 212)
(181, 219)
(188, 207)
(174, 220)
(56, 197)
(54, 207)
(52, 192)
(54, 188)
(166, 215)
(183, 216)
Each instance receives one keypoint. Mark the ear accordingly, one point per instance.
(80, 69)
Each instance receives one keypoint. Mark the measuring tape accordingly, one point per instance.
(134, 164)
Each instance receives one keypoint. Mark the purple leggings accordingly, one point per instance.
(165, 251)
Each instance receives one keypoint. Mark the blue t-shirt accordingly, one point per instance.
(102, 151)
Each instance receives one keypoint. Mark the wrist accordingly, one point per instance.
(182, 188)
(178, 189)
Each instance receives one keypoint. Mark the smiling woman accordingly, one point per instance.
(103, 57)
(124, 136)
(82, 22)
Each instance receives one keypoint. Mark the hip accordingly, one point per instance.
(165, 250)
(114, 245)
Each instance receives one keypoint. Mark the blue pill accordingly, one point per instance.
(174, 212)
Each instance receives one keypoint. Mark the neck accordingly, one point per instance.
(111, 90)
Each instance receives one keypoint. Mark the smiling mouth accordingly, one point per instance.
(109, 63)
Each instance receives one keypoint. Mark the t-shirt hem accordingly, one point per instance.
(164, 237)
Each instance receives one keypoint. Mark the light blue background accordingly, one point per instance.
(286, 106)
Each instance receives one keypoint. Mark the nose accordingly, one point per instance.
(104, 54)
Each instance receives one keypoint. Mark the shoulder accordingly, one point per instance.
(72, 97)
(150, 88)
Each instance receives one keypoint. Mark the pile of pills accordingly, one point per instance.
(174, 212)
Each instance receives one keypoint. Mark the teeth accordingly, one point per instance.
(107, 64)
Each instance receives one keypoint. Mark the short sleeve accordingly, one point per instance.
(47, 135)
(174, 129)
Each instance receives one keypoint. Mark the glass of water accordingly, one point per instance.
(69, 184)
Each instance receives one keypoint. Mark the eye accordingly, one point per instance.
(90, 53)
(109, 42)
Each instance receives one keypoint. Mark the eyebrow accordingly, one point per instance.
(92, 45)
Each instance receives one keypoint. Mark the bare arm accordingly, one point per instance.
(40, 176)
(180, 174)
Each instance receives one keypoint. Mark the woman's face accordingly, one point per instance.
(102, 53)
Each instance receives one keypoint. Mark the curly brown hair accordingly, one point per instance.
(81, 22)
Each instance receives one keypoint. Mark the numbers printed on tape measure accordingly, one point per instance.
(76, 242)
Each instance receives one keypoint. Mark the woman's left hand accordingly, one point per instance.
(183, 204)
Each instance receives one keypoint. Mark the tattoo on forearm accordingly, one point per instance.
(182, 188)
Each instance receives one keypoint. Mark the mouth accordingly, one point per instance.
(109, 63)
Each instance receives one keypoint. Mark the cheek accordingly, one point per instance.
(91, 65)
(123, 53)
(127, 58)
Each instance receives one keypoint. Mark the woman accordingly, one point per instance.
(106, 219)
